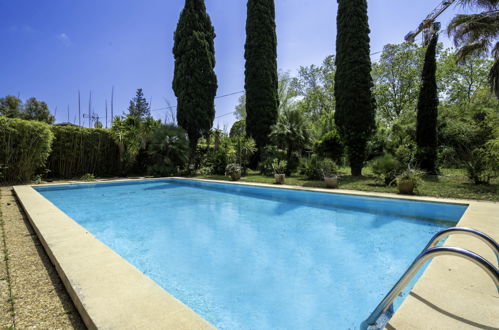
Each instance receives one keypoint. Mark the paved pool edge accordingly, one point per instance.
(108, 292)
(452, 293)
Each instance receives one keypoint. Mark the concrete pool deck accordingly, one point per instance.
(451, 294)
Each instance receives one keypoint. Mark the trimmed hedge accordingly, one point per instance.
(24, 148)
(78, 150)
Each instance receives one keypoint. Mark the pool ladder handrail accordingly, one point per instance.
(429, 252)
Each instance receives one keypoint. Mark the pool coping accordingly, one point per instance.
(88, 269)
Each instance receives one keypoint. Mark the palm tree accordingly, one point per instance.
(477, 34)
(290, 132)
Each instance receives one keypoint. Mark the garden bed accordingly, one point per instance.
(452, 183)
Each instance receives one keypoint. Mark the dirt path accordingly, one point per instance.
(31, 293)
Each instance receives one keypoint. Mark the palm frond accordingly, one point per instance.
(476, 48)
(486, 4)
(471, 28)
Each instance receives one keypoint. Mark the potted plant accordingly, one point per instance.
(234, 171)
(329, 173)
(279, 167)
(408, 181)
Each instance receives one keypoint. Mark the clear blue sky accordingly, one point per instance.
(53, 48)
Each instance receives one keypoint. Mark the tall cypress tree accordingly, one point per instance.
(426, 124)
(355, 105)
(194, 81)
(260, 52)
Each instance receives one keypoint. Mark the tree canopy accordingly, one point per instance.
(355, 104)
(261, 80)
(194, 81)
(426, 123)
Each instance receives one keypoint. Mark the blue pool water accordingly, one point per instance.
(259, 258)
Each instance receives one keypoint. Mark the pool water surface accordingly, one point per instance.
(247, 257)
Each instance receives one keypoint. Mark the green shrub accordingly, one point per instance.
(386, 168)
(234, 171)
(329, 168)
(87, 177)
(482, 166)
(410, 175)
(279, 166)
(168, 151)
(24, 148)
(330, 145)
(244, 148)
(269, 155)
(312, 167)
(79, 150)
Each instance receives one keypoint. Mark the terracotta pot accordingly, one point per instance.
(406, 187)
(331, 182)
(234, 176)
(279, 178)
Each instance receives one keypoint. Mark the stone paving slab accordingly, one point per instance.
(108, 292)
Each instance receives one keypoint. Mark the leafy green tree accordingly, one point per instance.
(460, 83)
(37, 110)
(470, 139)
(315, 84)
(194, 81)
(238, 129)
(477, 34)
(241, 108)
(355, 104)
(139, 107)
(261, 80)
(286, 94)
(291, 133)
(10, 106)
(396, 80)
(426, 122)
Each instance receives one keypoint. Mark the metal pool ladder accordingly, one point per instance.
(384, 311)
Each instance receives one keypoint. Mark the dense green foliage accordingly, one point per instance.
(194, 81)
(131, 135)
(12, 107)
(24, 148)
(355, 105)
(261, 80)
(168, 150)
(330, 145)
(219, 150)
(291, 134)
(386, 168)
(426, 123)
(315, 167)
(238, 128)
(477, 33)
(78, 150)
(397, 80)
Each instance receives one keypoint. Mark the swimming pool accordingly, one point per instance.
(253, 258)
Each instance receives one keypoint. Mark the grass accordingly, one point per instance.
(452, 183)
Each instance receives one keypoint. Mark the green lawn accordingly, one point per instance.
(451, 184)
